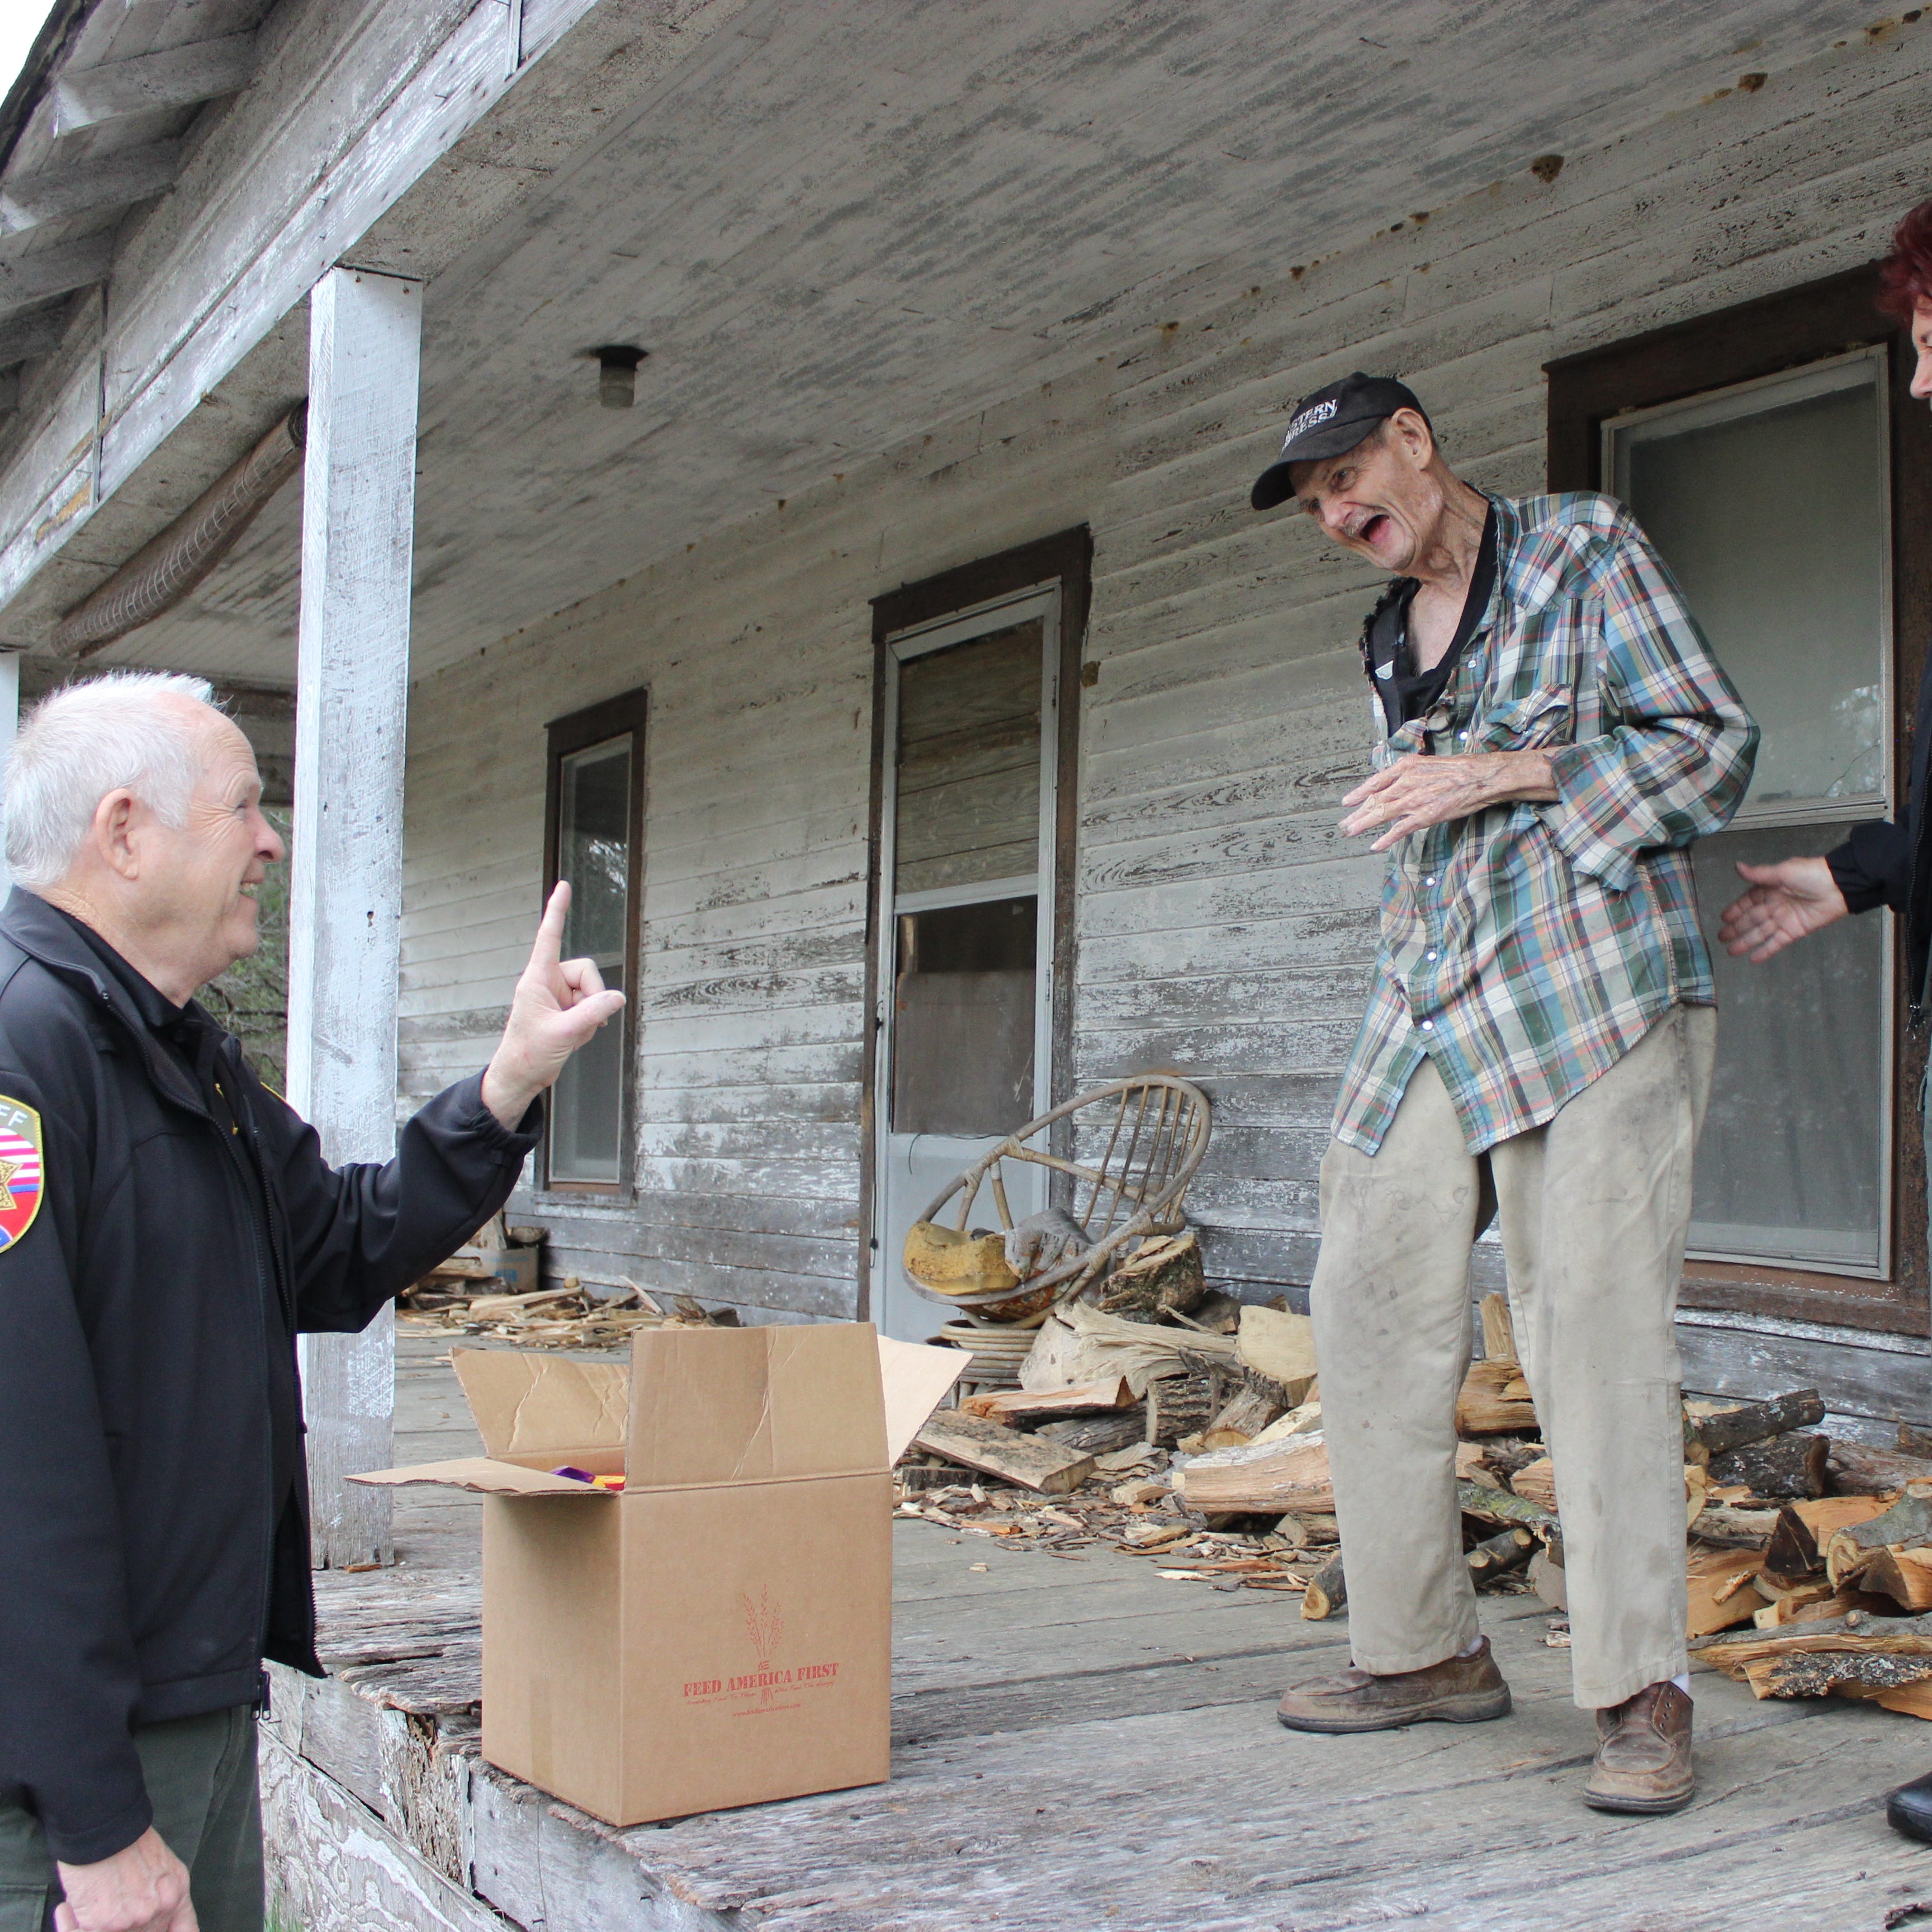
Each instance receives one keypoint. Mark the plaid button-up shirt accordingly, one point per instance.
(1527, 949)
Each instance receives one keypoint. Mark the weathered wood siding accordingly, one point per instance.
(1226, 929)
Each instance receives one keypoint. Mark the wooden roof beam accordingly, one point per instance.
(107, 181)
(28, 280)
(204, 71)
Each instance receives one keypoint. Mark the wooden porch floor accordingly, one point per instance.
(1078, 1745)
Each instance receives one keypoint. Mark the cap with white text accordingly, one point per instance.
(1329, 422)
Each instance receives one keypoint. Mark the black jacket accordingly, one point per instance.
(154, 1534)
(1886, 863)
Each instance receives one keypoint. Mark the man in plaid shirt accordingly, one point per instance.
(1553, 734)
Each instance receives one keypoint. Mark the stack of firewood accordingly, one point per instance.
(1194, 1439)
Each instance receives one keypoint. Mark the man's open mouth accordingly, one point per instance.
(1375, 528)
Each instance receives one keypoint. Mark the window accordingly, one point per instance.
(1760, 449)
(1771, 503)
(595, 817)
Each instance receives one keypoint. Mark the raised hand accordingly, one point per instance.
(559, 1003)
(1786, 902)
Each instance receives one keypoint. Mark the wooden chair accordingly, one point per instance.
(1151, 1130)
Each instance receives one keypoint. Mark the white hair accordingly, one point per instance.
(85, 740)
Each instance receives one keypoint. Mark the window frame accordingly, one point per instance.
(1773, 334)
(1062, 562)
(627, 715)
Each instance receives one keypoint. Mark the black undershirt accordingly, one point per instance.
(1408, 693)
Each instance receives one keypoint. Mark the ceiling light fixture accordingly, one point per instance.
(617, 373)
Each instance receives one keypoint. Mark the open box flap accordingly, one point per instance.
(539, 1405)
(917, 1379)
(485, 1477)
(754, 1405)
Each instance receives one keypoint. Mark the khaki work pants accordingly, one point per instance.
(1593, 1207)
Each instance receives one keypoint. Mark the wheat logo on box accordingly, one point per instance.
(765, 1624)
(20, 1187)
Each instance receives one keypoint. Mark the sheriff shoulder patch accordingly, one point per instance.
(20, 1184)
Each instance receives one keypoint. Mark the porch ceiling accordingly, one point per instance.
(835, 227)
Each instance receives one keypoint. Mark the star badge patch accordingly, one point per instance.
(20, 1187)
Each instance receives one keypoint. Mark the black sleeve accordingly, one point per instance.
(360, 1234)
(1873, 866)
(69, 1681)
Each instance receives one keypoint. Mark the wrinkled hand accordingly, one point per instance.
(1785, 902)
(1416, 792)
(143, 1888)
(1043, 1241)
(559, 1003)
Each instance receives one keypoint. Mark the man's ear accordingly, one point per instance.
(1409, 432)
(113, 833)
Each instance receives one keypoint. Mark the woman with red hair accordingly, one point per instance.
(1882, 863)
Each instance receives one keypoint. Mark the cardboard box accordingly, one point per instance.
(720, 1632)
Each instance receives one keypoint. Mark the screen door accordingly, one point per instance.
(965, 886)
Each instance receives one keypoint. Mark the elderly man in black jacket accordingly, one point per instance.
(1883, 862)
(167, 1227)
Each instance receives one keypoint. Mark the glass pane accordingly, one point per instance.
(594, 848)
(969, 763)
(963, 1019)
(1789, 1164)
(587, 1103)
(594, 854)
(1772, 518)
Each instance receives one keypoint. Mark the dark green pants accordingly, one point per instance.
(201, 1782)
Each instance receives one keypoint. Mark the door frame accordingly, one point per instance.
(1060, 564)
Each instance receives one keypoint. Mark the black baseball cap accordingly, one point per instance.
(1327, 423)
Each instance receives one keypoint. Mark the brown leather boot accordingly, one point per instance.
(1458, 1691)
(1643, 1754)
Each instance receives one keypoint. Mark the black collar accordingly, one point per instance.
(69, 948)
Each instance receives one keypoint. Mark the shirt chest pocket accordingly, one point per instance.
(1543, 690)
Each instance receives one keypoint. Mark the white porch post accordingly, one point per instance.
(9, 722)
(345, 917)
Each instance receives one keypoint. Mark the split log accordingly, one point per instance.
(1499, 1507)
(1051, 1467)
(1810, 1603)
(1536, 1483)
(1857, 1633)
(1266, 1478)
(1078, 1344)
(1327, 1590)
(1494, 1400)
(1051, 1405)
(1790, 1465)
(1914, 1699)
(1857, 1469)
(1161, 1277)
(1820, 1674)
(1545, 1579)
(1735, 1528)
(1720, 1595)
(1497, 1555)
(1794, 1551)
(1280, 1346)
(1498, 1331)
(1754, 1421)
(1243, 1419)
(1907, 1524)
(1905, 1576)
(1099, 1435)
(1183, 1405)
(1913, 1440)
